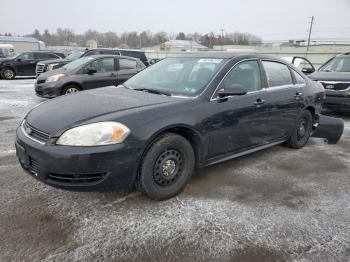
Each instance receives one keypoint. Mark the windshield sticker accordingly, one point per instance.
(207, 60)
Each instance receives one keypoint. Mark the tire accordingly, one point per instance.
(8, 73)
(70, 89)
(301, 133)
(167, 167)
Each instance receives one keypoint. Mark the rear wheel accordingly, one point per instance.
(70, 89)
(166, 167)
(302, 131)
(8, 73)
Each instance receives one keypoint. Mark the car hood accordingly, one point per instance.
(55, 61)
(57, 71)
(330, 76)
(4, 60)
(64, 112)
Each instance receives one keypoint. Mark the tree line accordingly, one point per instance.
(67, 37)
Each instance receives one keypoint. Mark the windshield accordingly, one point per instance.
(177, 76)
(77, 63)
(337, 64)
(74, 55)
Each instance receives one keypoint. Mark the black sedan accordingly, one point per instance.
(180, 114)
(87, 73)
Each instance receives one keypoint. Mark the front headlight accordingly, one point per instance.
(55, 78)
(51, 66)
(96, 134)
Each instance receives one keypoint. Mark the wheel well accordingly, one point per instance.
(312, 111)
(71, 84)
(10, 67)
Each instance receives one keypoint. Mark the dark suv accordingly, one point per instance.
(24, 64)
(45, 66)
(87, 73)
(334, 75)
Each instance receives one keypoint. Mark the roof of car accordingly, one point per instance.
(225, 55)
(116, 49)
(119, 56)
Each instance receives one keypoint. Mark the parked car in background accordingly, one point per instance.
(52, 64)
(45, 66)
(87, 73)
(334, 75)
(181, 113)
(24, 64)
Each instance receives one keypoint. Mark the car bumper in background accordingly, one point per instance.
(339, 104)
(78, 168)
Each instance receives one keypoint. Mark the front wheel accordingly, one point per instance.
(70, 90)
(166, 167)
(302, 131)
(8, 73)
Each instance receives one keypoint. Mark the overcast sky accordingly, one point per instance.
(269, 19)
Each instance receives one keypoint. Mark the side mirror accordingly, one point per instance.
(307, 70)
(234, 90)
(90, 71)
(19, 59)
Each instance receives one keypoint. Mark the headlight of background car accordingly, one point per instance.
(96, 134)
(55, 78)
(51, 66)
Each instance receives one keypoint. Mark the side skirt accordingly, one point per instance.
(226, 157)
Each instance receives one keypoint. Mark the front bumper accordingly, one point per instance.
(339, 104)
(48, 90)
(98, 168)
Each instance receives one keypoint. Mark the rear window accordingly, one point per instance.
(277, 74)
(127, 64)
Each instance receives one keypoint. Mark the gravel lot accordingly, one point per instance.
(275, 205)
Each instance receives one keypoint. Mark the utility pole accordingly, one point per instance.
(222, 38)
(310, 30)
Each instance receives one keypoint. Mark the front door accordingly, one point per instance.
(239, 122)
(25, 64)
(105, 74)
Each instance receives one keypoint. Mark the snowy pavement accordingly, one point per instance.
(274, 205)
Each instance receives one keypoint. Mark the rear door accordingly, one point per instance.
(127, 68)
(284, 97)
(105, 75)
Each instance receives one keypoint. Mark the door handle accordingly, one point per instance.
(32, 62)
(259, 102)
(298, 94)
(113, 75)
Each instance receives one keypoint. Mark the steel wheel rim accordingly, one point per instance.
(8, 73)
(303, 127)
(72, 90)
(168, 167)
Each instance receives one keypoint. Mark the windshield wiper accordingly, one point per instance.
(153, 91)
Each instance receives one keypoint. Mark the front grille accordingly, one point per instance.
(337, 86)
(35, 133)
(40, 68)
(76, 179)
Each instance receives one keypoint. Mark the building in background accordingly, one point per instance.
(22, 43)
(91, 43)
(179, 45)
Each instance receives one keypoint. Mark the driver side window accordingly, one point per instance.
(102, 65)
(245, 75)
(26, 56)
